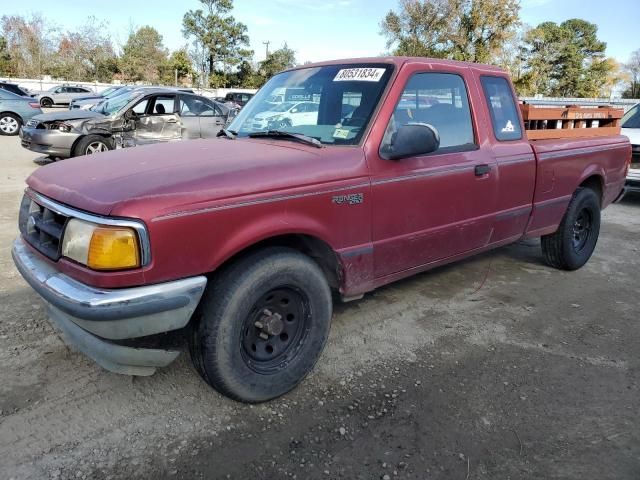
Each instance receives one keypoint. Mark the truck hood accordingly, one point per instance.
(67, 115)
(155, 180)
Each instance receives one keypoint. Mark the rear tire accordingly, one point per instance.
(46, 102)
(261, 325)
(9, 124)
(92, 144)
(571, 246)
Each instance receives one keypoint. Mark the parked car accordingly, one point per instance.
(85, 103)
(285, 115)
(61, 95)
(14, 88)
(15, 110)
(88, 101)
(245, 239)
(239, 99)
(631, 128)
(141, 116)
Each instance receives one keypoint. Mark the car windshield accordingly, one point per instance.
(338, 102)
(631, 119)
(110, 92)
(114, 104)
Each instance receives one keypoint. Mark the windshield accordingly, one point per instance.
(631, 119)
(109, 92)
(114, 104)
(338, 102)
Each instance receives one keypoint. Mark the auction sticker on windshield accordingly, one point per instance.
(359, 75)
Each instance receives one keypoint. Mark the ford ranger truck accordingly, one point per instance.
(242, 241)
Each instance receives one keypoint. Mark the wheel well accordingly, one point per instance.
(313, 247)
(14, 114)
(77, 140)
(594, 182)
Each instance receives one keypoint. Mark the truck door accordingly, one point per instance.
(431, 207)
(161, 122)
(514, 156)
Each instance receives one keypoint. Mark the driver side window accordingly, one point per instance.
(439, 100)
(141, 107)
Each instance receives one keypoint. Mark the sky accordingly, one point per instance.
(319, 29)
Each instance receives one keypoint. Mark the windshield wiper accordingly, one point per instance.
(227, 133)
(282, 134)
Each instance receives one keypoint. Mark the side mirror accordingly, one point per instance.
(412, 140)
(130, 115)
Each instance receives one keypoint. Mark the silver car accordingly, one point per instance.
(16, 111)
(139, 117)
(62, 95)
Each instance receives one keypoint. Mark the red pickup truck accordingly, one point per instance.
(389, 167)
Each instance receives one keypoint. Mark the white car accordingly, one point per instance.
(287, 114)
(631, 128)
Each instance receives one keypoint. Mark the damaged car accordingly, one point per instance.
(137, 117)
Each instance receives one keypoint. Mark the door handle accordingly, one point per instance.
(481, 170)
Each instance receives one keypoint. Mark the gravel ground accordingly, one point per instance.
(533, 375)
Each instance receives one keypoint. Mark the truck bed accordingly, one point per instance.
(565, 164)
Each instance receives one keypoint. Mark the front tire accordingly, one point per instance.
(9, 124)
(261, 325)
(92, 144)
(571, 246)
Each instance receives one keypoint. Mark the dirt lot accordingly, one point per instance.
(534, 375)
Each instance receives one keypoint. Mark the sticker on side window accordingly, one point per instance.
(359, 75)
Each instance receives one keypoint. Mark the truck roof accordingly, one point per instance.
(399, 61)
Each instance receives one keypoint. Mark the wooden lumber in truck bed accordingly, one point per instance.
(572, 121)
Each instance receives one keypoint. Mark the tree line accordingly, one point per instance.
(216, 52)
(565, 60)
(555, 59)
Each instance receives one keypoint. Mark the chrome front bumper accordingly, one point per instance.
(90, 317)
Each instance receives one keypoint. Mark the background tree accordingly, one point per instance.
(632, 67)
(143, 56)
(86, 54)
(277, 61)
(179, 61)
(565, 60)
(30, 44)
(6, 66)
(470, 30)
(222, 39)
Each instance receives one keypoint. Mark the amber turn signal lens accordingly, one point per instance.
(113, 249)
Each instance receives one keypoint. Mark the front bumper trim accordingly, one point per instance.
(90, 316)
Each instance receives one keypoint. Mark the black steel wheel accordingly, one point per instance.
(571, 246)
(46, 102)
(275, 329)
(261, 324)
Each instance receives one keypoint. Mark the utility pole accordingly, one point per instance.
(267, 43)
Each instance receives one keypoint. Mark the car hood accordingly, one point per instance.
(87, 97)
(161, 179)
(67, 115)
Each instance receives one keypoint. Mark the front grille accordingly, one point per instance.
(42, 227)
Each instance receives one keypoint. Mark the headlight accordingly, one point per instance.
(101, 247)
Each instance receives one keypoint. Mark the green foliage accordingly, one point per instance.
(143, 56)
(277, 61)
(178, 61)
(564, 60)
(469, 30)
(222, 40)
(6, 67)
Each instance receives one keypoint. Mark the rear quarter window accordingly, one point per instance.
(502, 108)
